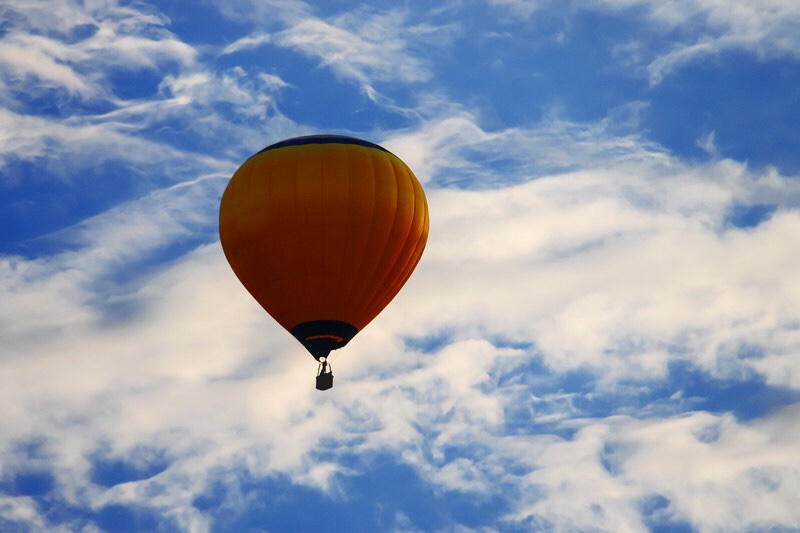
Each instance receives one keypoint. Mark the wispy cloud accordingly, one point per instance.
(246, 43)
(102, 36)
(704, 28)
(691, 30)
(362, 47)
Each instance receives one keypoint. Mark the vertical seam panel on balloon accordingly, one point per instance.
(346, 243)
(358, 299)
(306, 289)
(334, 265)
(382, 298)
(324, 260)
(403, 273)
(375, 294)
(419, 246)
(321, 261)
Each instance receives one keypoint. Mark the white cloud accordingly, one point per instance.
(21, 509)
(251, 95)
(706, 28)
(742, 478)
(454, 149)
(29, 56)
(76, 142)
(356, 49)
(437, 146)
(362, 46)
(246, 43)
(105, 36)
(629, 257)
(113, 37)
(196, 107)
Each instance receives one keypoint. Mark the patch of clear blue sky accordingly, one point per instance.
(35, 202)
(109, 471)
(658, 519)
(38, 206)
(748, 215)
(750, 104)
(518, 71)
(746, 398)
(374, 501)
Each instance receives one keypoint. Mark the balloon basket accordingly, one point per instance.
(324, 376)
(324, 381)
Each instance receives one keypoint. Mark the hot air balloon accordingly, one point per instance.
(323, 231)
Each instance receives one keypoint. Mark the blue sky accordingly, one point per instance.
(602, 334)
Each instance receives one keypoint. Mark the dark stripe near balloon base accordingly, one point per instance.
(321, 336)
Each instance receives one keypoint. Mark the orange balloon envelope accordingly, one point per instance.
(323, 231)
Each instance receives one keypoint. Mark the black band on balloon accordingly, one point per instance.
(321, 336)
(323, 139)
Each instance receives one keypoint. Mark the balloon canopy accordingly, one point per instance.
(323, 231)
